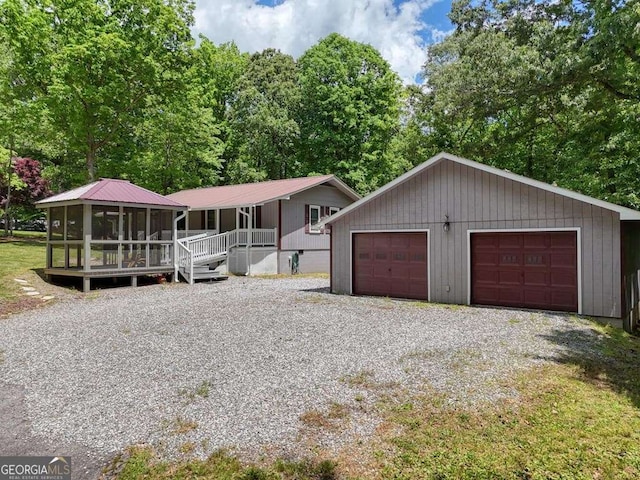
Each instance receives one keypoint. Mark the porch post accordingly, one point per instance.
(120, 236)
(49, 265)
(64, 237)
(249, 239)
(176, 219)
(88, 234)
(148, 233)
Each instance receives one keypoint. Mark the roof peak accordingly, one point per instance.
(104, 179)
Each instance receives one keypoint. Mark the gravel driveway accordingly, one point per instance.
(239, 363)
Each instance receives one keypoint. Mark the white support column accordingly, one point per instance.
(120, 236)
(86, 221)
(49, 265)
(148, 233)
(176, 220)
(64, 237)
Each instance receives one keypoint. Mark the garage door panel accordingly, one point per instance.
(487, 276)
(390, 264)
(509, 241)
(533, 269)
(489, 295)
(536, 298)
(510, 258)
(534, 241)
(509, 277)
(564, 240)
(510, 296)
(536, 279)
(567, 259)
(563, 297)
(564, 279)
(486, 243)
(487, 258)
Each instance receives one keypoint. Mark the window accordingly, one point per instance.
(134, 223)
(56, 223)
(104, 223)
(333, 210)
(314, 218)
(74, 222)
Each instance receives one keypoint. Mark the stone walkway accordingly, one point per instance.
(31, 291)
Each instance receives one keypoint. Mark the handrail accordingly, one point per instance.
(206, 247)
(184, 258)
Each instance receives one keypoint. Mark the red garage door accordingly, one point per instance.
(390, 264)
(530, 270)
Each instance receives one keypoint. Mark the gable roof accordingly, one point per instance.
(114, 191)
(248, 194)
(625, 213)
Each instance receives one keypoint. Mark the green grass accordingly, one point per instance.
(142, 463)
(578, 418)
(19, 259)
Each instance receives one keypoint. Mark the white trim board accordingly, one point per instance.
(525, 230)
(625, 213)
(408, 230)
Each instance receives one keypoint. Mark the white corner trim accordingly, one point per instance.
(578, 231)
(408, 230)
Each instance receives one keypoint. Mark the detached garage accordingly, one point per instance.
(456, 231)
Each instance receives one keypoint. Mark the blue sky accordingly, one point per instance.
(399, 29)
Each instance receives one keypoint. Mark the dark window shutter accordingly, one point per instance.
(306, 219)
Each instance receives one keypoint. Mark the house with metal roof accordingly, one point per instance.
(113, 228)
(110, 228)
(457, 231)
(259, 228)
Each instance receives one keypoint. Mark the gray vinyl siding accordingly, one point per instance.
(476, 200)
(269, 215)
(293, 217)
(311, 261)
(227, 219)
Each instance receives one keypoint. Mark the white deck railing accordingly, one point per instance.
(205, 248)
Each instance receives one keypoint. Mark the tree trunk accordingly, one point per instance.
(91, 157)
(7, 205)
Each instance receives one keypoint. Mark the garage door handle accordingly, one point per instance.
(389, 270)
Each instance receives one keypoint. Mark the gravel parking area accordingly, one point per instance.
(240, 362)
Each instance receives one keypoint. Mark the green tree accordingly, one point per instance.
(96, 63)
(546, 89)
(349, 113)
(178, 142)
(264, 130)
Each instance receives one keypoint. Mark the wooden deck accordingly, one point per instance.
(86, 276)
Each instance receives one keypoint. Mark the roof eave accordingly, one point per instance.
(83, 201)
(624, 212)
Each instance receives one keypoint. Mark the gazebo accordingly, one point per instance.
(110, 228)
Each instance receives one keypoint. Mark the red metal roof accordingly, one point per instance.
(254, 193)
(114, 191)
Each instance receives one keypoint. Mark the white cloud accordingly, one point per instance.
(294, 25)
